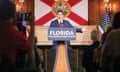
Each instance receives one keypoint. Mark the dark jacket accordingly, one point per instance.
(88, 52)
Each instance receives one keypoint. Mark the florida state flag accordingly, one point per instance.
(76, 11)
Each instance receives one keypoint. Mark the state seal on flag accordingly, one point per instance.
(61, 5)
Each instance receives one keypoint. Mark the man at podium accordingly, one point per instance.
(61, 47)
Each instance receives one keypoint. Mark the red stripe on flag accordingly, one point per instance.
(100, 30)
(73, 2)
(77, 19)
(44, 19)
(48, 2)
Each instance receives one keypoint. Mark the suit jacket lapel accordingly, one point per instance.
(57, 23)
(63, 23)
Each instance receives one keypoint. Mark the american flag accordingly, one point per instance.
(105, 22)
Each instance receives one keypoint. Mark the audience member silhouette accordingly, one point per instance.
(11, 40)
(88, 52)
(111, 47)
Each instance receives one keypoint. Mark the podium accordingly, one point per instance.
(61, 36)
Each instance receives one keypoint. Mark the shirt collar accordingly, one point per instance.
(60, 21)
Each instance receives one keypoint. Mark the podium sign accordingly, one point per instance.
(61, 34)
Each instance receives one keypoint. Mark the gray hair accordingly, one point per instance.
(95, 36)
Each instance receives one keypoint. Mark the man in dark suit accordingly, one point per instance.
(60, 22)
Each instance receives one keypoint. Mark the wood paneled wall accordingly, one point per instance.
(96, 9)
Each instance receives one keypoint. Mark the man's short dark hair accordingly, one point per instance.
(7, 9)
(59, 11)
